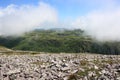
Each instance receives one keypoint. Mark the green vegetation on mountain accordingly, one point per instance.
(69, 41)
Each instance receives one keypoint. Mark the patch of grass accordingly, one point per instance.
(81, 73)
(34, 53)
(96, 61)
(19, 53)
(87, 70)
(39, 63)
(84, 62)
(111, 61)
(72, 77)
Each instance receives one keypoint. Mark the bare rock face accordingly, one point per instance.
(60, 67)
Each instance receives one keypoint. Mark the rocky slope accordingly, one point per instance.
(60, 67)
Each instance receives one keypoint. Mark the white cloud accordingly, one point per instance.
(19, 19)
(103, 24)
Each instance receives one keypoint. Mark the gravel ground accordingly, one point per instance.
(60, 67)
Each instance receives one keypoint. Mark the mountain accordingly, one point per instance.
(59, 40)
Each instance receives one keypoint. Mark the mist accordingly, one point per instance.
(102, 24)
(15, 20)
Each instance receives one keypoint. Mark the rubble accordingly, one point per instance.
(60, 67)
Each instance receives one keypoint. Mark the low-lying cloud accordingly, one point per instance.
(15, 20)
(102, 25)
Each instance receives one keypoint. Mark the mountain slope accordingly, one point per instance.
(69, 41)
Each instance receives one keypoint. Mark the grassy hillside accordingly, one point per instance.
(2, 49)
(55, 40)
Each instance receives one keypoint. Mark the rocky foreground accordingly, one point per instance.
(60, 67)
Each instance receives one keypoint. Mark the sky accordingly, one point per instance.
(99, 18)
(66, 8)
